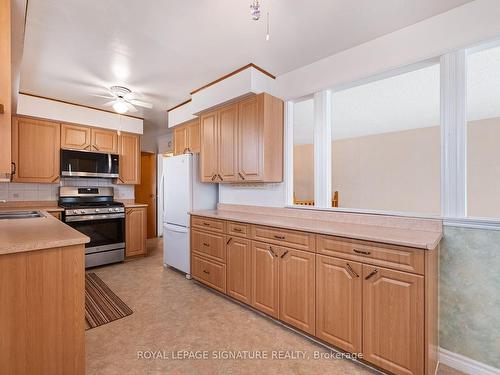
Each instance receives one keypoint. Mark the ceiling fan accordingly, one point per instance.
(124, 100)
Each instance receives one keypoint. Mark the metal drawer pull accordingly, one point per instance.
(229, 241)
(237, 229)
(361, 252)
(205, 223)
(279, 237)
(349, 268)
(271, 252)
(371, 274)
(206, 244)
(283, 255)
(207, 272)
(220, 177)
(213, 177)
(241, 176)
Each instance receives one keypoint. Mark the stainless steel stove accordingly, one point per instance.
(94, 212)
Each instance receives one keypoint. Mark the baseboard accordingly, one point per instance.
(465, 364)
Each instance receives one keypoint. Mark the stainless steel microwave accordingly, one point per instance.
(88, 164)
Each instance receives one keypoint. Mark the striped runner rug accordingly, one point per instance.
(101, 304)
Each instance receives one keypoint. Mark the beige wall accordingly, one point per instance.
(303, 172)
(400, 171)
(483, 168)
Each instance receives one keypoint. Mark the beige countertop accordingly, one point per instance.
(20, 235)
(416, 238)
(135, 205)
(50, 206)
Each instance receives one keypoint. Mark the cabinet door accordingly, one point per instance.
(239, 268)
(228, 139)
(194, 136)
(75, 137)
(104, 140)
(265, 279)
(297, 289)
(180, 140)
(339, 302)
(130, 159)
(135, 231)
(393, 320)
(35, 150)
(208, 147)
(250, 142)
(5, 90)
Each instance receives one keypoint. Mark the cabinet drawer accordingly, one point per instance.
(238, 229)
(213, 225)
(210, 245)
(284, 237)
(208, 272)
(397, 257)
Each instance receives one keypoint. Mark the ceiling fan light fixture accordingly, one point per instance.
(120, 107)
(255, 10)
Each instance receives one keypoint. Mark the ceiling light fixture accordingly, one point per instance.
(255, 10)
(120, 106)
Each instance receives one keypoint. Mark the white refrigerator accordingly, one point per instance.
(182, 192)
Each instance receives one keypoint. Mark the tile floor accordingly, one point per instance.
(174, 314)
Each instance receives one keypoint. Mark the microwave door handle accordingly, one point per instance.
(109, 163)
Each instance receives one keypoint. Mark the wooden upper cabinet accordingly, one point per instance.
(239, 268)
(75, 137)
(187, 138)
(5, 90)
(104, 140)
(130, 158)
(297, 289)
(393, 320)
(208, 146)
(180, 139)
(79, 137)
(339, 302)
(265, 279)
(248, 142)
(136, 231)
(228, 144)
(35, 150)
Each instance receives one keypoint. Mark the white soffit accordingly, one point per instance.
(57, 111)
(180, 114)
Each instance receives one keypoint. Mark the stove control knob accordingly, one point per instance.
(75, 211)
(96, 210)
(110, 209)
(117, 209)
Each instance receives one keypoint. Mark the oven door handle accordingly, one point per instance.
(71, 219)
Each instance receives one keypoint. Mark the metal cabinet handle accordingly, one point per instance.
(205, 223)
(351, 271)
(237, 229)
(186, 149)
(214, 176)
(271, 252)
(97, 148)
(279, 237)
(14, 169)
(361, 252)
(241, 176)
(207, 272)
(220, 177)
(206, 244)
(371, 274)
(229, 240)
(283, 255)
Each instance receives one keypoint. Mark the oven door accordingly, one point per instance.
(105, 234)
(88, 164)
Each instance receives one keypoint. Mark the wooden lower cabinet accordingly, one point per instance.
(239, 269)
(297, 289)
(135, 231)
(393, 320)
(388, 315)
(265, 279)
(339, 302)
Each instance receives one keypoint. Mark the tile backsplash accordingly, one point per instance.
(12, 192)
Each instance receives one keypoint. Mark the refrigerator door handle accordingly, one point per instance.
(176, 228)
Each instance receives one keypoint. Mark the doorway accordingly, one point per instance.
(146, 192)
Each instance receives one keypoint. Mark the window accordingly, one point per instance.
(303, 152)
(386, 144)
(483, 133)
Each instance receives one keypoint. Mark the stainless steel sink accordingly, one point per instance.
(4, 215)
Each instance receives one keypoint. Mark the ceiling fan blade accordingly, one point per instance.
(104, 96)
(131, 96)
(131, 108)
(110, 103)
(140, 103)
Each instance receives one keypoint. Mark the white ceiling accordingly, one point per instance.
(165, 49)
